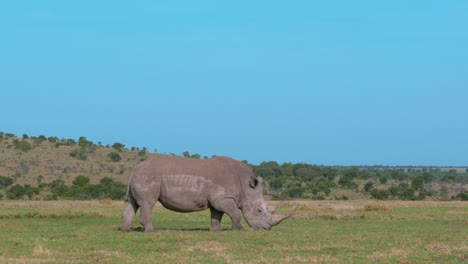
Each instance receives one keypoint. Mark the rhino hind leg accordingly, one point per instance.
(146, 216)
(128, 215)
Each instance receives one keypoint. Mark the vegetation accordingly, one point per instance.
(47, 168)
(320, 232)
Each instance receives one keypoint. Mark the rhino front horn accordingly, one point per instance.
(276, 219)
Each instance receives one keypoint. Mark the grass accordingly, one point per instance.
(320, 232)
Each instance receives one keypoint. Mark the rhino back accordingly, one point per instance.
(189, 184)
(222, 171)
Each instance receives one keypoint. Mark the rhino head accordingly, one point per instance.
(256, 212)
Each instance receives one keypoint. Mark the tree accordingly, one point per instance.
(417, 182)
(81, 181)
(351, 173)
(347, 182)
(380, 194)
(427, 176)
(114, 156)
(118, 146)
(368, 186)
(5, 181)
(195, 156)
(79, 154)
(295, 192)
(22, 145)
(111, 189)
(83, 142)
(16, 192)
(80, 187)
(383, 179)
(406, 191)
(275, 183)
(58, 187)
(52, 139)
(142, 152)
(70, 142)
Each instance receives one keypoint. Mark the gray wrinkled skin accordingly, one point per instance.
(222, 184)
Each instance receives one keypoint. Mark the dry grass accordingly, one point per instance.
(320, 232)
(53, 163)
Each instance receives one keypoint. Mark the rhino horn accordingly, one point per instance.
(276, 219)
(272, 208)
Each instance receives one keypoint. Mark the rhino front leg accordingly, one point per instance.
(216, 217)
(229, 207)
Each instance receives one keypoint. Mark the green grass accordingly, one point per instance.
(320, 232)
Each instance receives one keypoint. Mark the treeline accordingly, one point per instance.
(282, 181)
(308, 181)
(84, 146)
(80, 189)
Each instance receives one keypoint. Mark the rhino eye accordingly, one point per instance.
(259, 210)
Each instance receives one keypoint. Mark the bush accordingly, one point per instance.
(294, 192)
(16, 192)
(346, 181)
(383, 179)
(462, 196)
(22, 145)
(58, 188)
(368, 186)
(142, 152)
(118, 146)
(341, 198)
(380, 194)
(114, 156)
(5, 181)
(1, 196)
(79, 154)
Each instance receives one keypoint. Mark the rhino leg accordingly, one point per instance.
(229, 207)
(216, 217)
(146, 216)
(128, 215)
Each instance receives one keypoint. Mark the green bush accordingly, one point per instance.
(22, 145)
(79, 154)
(16, 192)
(114, 156)
(368, 186)
(380, 194)
(5, 181)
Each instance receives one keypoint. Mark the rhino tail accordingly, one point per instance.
(127, 194)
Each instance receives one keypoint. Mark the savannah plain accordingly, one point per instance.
(358, 230)
(320, 232)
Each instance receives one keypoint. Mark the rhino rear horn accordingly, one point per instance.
(276, 219)
(272, 208)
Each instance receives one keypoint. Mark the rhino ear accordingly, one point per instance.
(255, 182)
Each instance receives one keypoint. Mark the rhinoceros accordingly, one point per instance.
(222, 184)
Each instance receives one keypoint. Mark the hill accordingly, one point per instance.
(51, 168)
(32, 160)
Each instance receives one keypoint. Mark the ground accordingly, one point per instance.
(320, 232)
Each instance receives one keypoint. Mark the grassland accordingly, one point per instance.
(321, 232)
(51, 161)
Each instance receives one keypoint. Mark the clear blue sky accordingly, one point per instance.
(323, 82)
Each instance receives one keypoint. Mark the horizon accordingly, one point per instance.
(129, 148)
(327, 83)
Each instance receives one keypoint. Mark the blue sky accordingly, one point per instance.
(323, 82)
